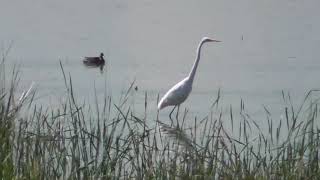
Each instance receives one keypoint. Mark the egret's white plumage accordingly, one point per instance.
(179, 92)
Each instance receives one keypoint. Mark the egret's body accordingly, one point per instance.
(177, 94)
(180, 92)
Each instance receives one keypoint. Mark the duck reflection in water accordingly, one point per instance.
(95, 62)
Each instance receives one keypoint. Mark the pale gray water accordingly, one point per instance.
(267, 46)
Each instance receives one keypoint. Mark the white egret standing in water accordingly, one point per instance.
(180, 92)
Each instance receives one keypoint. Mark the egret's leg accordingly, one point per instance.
(171, 114)
(177, 115)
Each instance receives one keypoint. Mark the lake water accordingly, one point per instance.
(267, 46)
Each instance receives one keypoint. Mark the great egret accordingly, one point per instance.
(94, 61)
(180, 92)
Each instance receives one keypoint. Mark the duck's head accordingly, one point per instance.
(101, 56)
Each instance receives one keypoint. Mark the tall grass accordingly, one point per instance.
(109, 141)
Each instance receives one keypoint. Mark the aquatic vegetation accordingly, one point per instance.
(110, 141)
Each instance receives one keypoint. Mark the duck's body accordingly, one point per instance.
(94, 61)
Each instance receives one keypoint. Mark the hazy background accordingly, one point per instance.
(267, 46)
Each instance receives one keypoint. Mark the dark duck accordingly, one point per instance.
(94, 61)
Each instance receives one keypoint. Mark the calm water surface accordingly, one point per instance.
(267, 46)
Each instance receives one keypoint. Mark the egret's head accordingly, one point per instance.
(207, 39)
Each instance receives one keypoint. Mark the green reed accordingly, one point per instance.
(110, 141)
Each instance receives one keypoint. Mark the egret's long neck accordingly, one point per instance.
(195, 65)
